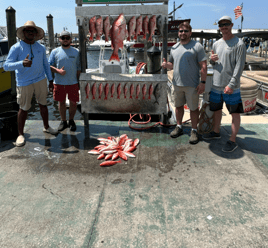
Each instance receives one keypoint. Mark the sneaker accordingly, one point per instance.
(62, 126)
(176, 132)
(194, 137)
(50, 130)
(72, 125)
(229, 146)
(20, 141)
(211, 135)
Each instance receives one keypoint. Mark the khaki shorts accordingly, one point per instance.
(182, 94)
(25, 94)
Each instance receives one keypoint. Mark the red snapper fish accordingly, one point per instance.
(92, 29)
(131, 90)
(118, 90)
(125, 90)
(107, 27)
(99, 28)
(100, 90)
(112, 90)
(118, 34)
(87, 89)
(145, 23)
(144, 89)
(94, 89)
(109, 163)
(106, 91)
(131, 27)
(138, 27)
(138, 89)
(152, 27)
(150, 91)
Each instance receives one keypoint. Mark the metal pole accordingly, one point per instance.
(11, 33)
(50, 33)
(164, 44)
(174, 11)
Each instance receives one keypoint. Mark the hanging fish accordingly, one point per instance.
(138, 27)
(106, 91)
(118, 34)
(138, 89)
(152, 27)
(94, 89)
(100, 90)
(150, 91)
(112, 90)
(99, 28)
(131, 91)
(125, 91)
(157, 93)
(107, 27)
(92, 29)
(145, 28)
(144, 89)
(87, 89)
(131, 27)
(118, 90)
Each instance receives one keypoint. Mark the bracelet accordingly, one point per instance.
(203, 82)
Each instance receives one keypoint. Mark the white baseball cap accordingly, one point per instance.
(228, 18)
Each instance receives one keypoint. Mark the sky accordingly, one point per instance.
(203, 14)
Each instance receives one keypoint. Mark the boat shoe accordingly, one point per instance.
(194, 137)
(50, 130)
(176, 132)
(20, 141)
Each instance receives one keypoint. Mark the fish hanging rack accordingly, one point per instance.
(85, 13)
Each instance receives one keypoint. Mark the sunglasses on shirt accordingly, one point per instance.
(185, 31)
(65, 38)
(225, 24)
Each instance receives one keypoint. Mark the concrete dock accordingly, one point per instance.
(173, 194)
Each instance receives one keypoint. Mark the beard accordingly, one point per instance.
(65, 45)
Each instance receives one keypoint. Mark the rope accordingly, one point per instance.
(204, 119)
(139, 66)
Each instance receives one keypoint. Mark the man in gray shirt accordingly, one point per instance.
(228, 59)
(187, 57)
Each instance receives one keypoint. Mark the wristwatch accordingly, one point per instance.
(203, 82)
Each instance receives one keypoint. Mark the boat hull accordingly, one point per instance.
(5, 79)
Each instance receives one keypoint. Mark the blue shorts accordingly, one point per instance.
(233, 101)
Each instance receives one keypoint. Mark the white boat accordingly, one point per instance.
(5, 77)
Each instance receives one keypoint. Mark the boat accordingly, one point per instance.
(5, 77)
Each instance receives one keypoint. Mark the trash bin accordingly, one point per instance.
(9, 125)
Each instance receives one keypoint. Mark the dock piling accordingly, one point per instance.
(50, 30)
(11, 32)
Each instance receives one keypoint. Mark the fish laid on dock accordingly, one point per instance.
(113, 148)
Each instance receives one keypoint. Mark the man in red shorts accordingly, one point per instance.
(65, 63)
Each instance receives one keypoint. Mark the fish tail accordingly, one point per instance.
(150, 38)
(114, 57)
(91, 38)
(105, 98)
(144, 36)
(135, 37)
(97, 37)
(128, 38)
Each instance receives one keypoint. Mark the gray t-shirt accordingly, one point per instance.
(228, 69)
(185, 60)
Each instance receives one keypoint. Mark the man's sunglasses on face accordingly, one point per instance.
(30, 31)
(185, 31)
(65, 38)
(225, 24)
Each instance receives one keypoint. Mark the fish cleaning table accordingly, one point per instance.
(113, 93)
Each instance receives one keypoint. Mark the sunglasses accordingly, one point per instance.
(185, 31)
(32, 55)
(225, 24)
(65, 38)
(30, 31)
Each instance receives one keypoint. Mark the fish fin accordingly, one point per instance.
(114, 57)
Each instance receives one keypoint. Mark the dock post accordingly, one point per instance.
(11, 33)
(163, 117)
(50, 31)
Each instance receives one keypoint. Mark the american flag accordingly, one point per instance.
(238, 11)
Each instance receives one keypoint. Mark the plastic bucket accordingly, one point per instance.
(8, 125)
